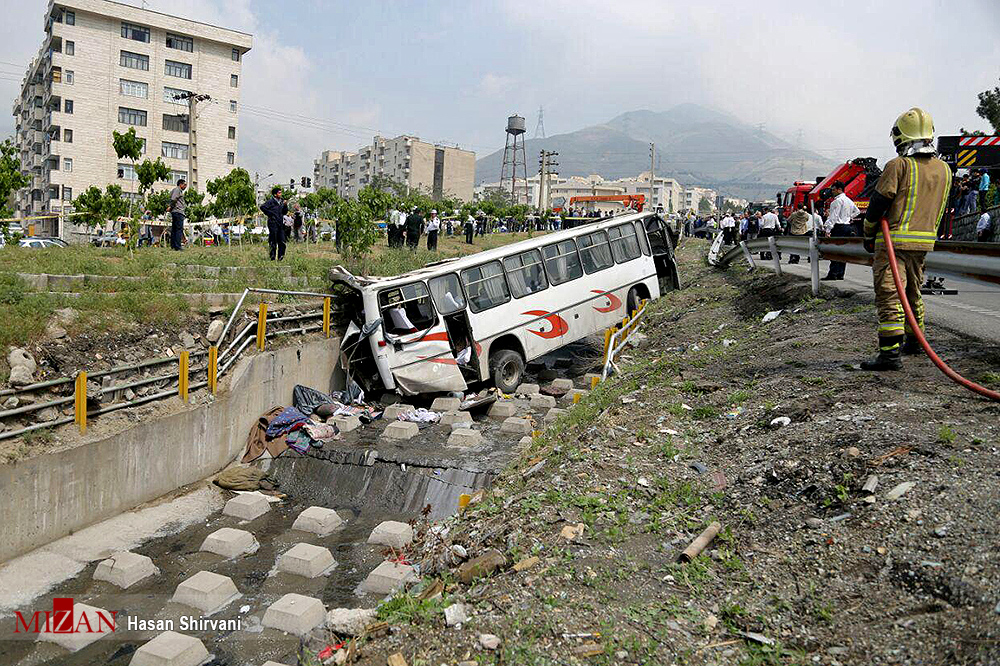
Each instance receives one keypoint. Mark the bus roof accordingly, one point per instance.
(339, 273)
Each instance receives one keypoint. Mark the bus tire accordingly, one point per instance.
(632, 301)
(506, 370)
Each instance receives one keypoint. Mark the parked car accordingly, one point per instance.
(42, 241)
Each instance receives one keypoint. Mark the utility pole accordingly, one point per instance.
(193, 99)
(652, 153)
(545, 170)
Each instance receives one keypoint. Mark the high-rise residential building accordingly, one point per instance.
(693, 197)
(440, 171)
(106, 66)
(667, 192)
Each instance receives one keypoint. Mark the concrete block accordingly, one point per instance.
(100, 622)
(247, 507)
(305, 559)
(516, 426)
(453, 417)
(230, 542)
(572, 392)
(295, 614)
(388, 577)
(206, 591)
(539, 401)
(392, 412)
(502, 409)
(561, 385)
(125, 569)
(392, 533)
(400, 430)
(318, 520)
(345, 423)
(465, 437)
(527, 389)
(171, 649)
(350, 621)
(588, 379)
(445, 404)
(524, 442)
(553, 414)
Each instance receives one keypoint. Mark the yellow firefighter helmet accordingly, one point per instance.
(913, 125)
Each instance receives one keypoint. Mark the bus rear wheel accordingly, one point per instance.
(506, 370)
(632, 301)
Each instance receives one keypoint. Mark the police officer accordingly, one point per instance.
(911, 195)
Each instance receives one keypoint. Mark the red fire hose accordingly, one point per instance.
(912, 321)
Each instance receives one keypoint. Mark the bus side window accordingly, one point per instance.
(447, 293)
(406, 309)
(525, 273)
(486, 286)
(624, 244)
(562, 262)
(595, 252)
(643, 241)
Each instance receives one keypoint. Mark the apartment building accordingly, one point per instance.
(106, 66)
(440, 171)
(694, 195)
(666, 192)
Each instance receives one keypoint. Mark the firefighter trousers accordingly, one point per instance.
(892, 324)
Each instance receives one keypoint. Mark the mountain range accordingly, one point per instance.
(695, 145)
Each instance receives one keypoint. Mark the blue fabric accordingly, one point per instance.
(299, 441)
(289, 419)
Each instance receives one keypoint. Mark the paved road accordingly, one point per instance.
(975, 310)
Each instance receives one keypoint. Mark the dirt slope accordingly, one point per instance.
(808, 569)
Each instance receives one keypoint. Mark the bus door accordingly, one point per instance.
(449, 299)
(661, 244)
(422, 358)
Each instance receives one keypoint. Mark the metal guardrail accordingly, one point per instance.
(957, 259)
(616, 338)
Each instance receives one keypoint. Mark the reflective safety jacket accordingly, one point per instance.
(918, 187)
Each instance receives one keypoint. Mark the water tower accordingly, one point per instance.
(514, 159)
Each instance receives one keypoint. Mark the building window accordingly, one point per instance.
(232, 105)
(70, 18)
(236, 55)
(178, 175)
(68, 106)
(68, 77)
(131, 116)
(127, 172)
(67, 193)
(68, 164)
(232, 132)
(134, 60)
(175, 150)
(70, 48)
(179, 69)
(234, 81)
(175, 96)
(67, 136)
(175, 123)
(139, 33)
(179, 42)
(134, 88)
(231, 158)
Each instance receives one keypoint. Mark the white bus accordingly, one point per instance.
(483, 316)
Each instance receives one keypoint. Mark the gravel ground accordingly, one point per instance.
(812, 566)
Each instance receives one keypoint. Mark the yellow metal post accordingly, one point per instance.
(326, 316)
(607, 340)
(463, 501)
(594, 381)
(576, 397)
(80, 401)
(182, 381)
(213, 368)
(261, 326)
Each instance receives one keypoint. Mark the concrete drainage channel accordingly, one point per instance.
(251, 603)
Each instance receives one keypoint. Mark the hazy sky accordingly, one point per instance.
(327, 74)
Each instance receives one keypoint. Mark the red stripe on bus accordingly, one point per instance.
(613, 301)
(559, 325)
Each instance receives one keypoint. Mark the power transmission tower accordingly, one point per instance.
(193, 99)
(540, 127)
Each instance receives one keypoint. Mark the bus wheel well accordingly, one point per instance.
(507, 342)
(636, 294)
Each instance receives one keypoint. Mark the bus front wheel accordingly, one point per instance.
(506, 369)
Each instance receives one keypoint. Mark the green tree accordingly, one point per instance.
(89, 206)
(989, 107)
(233, 194)
(149, 172)
(127, 146)
(158, 202)
(195, 210)
(115, 204)
(704, 206)
(356, 223)
(11, 179)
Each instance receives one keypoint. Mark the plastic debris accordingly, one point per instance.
(771, 316)
(900, 490)
(780, 421)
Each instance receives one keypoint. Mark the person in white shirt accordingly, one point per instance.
(769, 226)
(984, 228)
(838, 223)
(432, 227)
(728, 225)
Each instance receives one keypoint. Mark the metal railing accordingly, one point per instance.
(617, 337)
(957, 259)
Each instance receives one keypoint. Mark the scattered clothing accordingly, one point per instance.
(289, 419)
(306, 399)
(321, 431)
(244, 478)
(420, 415)
(257, 439)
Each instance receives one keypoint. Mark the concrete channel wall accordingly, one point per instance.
(52, 495)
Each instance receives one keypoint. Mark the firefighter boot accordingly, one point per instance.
(912, 346)
(888, 357)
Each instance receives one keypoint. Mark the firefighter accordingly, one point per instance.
(911, 195)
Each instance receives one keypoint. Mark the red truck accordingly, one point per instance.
(858, 175)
